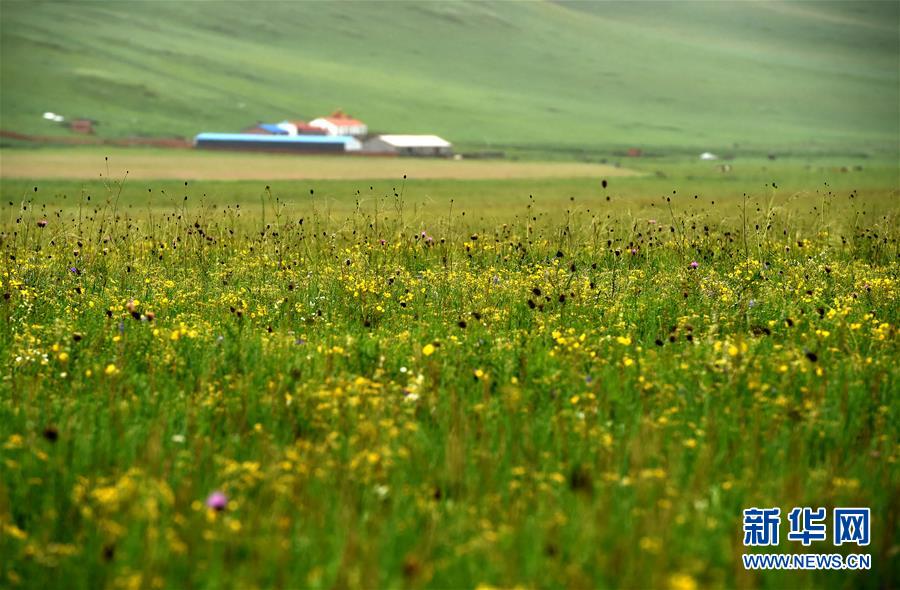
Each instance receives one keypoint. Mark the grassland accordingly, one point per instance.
(140, 180)
(391, 390)
(253, 371)
(149, 164)
(542, 77)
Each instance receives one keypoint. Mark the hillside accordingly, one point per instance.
(543, 76)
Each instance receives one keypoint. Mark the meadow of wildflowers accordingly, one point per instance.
(207, 396)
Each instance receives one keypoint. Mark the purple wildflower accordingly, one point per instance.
(217, 501)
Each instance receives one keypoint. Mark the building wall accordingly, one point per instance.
(425, 152)
(82, 126)
(355, 130)
(336, 129)
(329, 128)
(378, 146)
(263, 146)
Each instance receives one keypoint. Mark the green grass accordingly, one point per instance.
(799, 183)
(547, 397)
(531, 78)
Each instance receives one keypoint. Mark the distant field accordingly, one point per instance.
(538, 77)
(199, 165)
(338, 185)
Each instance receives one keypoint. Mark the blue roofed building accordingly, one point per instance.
(274, 129)
(266, 129)
(278, 143)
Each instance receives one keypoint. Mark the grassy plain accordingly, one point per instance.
(153, 164)
(393, 391)
(252, 371)
(155, 178)
(547, 77)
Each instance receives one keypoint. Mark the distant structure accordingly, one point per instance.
(339, 123)
(335, 134)
(309, 144)
(409, 145)
(265, 129)
(85, 126)
(285, 128)
(302, 128)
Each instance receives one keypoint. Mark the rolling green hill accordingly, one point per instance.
(541, 76)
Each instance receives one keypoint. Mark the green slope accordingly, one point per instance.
(809, 77)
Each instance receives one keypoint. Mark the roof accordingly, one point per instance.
(272, 128)
(413, 141)
(254, 138)
(304, 125)
(342, 121)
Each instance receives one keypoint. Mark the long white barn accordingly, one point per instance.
(409, 145)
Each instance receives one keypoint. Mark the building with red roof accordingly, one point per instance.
(340, 123)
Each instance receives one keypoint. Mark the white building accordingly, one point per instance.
(339, 123)
(288, 127)
(409, 145)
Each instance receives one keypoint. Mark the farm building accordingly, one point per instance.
(285, 128)
(339, 123)
(309, 144)
(85, 126)
(265, 129)
(409, 145)
(302, 128)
